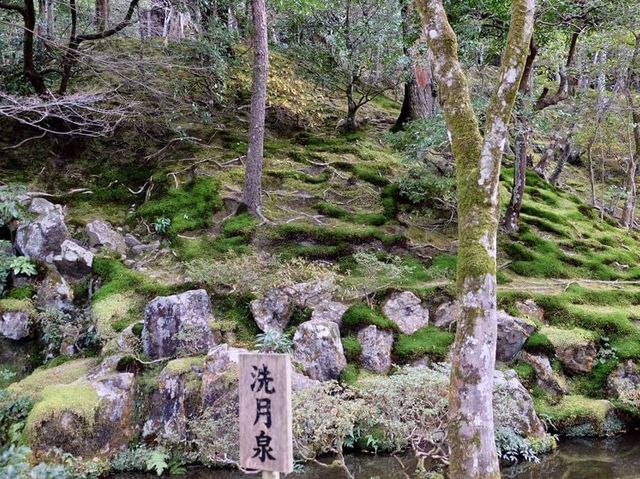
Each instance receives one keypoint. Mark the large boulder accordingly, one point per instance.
(624, 379)
(54, 292)
(176, 401)
(512, 334)
(273, 311)
(406, 311)
(446, 314)
(178, 323)
(329, 311)
(376, 349)
(546, 377)
(318, 349)
(513, 406)
(575, 348)
(40, 239)
(73, 261)
(15, 324)
(102, 234)
(91, 417)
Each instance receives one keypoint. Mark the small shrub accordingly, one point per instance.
(273, 342)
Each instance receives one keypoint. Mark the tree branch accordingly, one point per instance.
(21, 9)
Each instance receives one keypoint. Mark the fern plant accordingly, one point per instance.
(23, 265)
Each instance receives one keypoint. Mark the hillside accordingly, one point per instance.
(351, 210)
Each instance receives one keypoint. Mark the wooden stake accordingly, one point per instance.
(270, 475)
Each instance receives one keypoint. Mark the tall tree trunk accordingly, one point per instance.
(628, 213)
(548, 155)
(252, 195)
(471, 428)
(51, 20)
(419, 89)
(512, 215)
(30, 70)
(350, 123)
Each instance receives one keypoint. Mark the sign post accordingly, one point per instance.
(266, 440)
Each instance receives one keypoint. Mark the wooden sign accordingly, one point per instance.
(266, 441)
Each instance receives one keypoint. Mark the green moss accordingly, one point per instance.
(350, 374)
(188, 208)
(443, 266)
(525, 371)
(594, 385)
(335, 235)
(334, 211)
(209, 248)
(326, 252)
(352, 347)
(137, 329)
(115, 312)
(183, 365)
(429, 341)
(575, 410)
(539, 343)
(23, 305)
(241, 225)
(562, 338)
(236, 309)
(80, 399)
(117, 278)
(41, 378)
(360, 315)
(300, 176)
(23, 292)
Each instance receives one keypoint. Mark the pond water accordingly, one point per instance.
(613, 458)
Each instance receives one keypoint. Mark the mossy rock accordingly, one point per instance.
(41, 378)
(183, 365)
(577, 415)
(564, 338)
(23, 305)
(428, 341)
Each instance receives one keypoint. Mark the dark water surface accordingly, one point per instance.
(614, 458)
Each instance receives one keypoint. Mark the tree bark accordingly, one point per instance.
(512, 215)
(252, 194)
(103, 12)
(628, 213)
(471, 429)
(563, 157)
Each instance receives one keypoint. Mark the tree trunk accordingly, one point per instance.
(628, 213)
(471, 429)
(350, 123)
(252, 195)
(30, 71)
(563, 157)
(51, 20)
(512, 215)
(549, 154)
(103, 12)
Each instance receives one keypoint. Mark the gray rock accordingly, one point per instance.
(300, 382)
(513, 406)
(176, 401)
(141, 249)
(405, 309)
(546, 377)
(579, 357)
(73, 260)
(102, 234)
(40, 239)
(54, 292)
(318, 349)
(220, 373)
(624, 379)
(15, 325)
(329, 311)
(131, 240)
(512, 334)
(178, 323)
(446, 315)
(529, 309)
(273, 311)
(376, 349)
